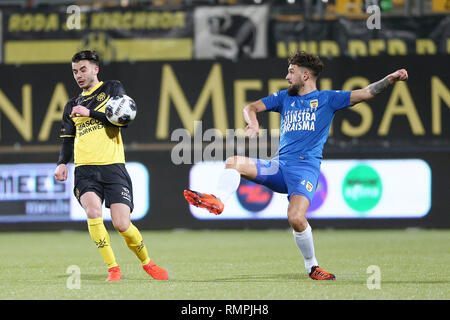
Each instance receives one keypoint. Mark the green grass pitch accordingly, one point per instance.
(230, 265)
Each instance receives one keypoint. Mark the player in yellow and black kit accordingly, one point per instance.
(100, 173)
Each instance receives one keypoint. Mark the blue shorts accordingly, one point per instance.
(288, 177)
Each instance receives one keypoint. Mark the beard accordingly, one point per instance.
(293, 90)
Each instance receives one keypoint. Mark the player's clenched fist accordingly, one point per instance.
(252, 130)
(61, 172)
(80, 111)
(399, 75)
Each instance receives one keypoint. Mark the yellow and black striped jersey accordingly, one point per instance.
(95, 143)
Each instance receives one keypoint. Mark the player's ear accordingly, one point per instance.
(306, 75)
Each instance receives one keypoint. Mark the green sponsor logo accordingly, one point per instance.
(362, 188)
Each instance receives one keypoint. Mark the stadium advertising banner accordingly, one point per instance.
(231, 32)
(370, 190)
(29, 193)
(132, 34)
(346, 189)
(142, 33)
(401, 36)
(174, 95)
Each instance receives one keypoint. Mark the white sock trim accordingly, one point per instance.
(303, 234)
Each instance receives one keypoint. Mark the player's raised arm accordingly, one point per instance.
(376, 88)
(250, 111)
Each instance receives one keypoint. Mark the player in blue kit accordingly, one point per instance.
(306, 116)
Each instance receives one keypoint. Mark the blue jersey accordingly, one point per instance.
(305, 121)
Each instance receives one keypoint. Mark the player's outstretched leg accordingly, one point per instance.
(227, 185)
(203, 200)
(120, 214)
(135, 243)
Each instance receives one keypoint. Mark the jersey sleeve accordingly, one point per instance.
(117, 89)
(338, 99)
(68, 129)
(274, 102)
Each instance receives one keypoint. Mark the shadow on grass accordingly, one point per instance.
(85, 276)
(94, 276)
(344, 279)
(252, 278)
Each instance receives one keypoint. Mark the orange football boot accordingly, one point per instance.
(203, 200)
(318, 273)
(155, 271)
(114, 274)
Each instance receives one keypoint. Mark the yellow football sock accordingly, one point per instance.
(133, 239)
(100, 236)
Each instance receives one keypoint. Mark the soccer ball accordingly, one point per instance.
(120, 110)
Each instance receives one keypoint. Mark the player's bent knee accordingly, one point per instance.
(121, 226)
(120, 216)
(232, 162)
(297, 221)
(93, 212)
(245, 166)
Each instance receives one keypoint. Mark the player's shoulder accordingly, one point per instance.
(282, 93)
(72, 102)
(279, 94)
(331, 92)
(327, 95)
(112, 83)
(113, 87)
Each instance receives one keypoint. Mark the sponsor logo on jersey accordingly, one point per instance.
(101, 96)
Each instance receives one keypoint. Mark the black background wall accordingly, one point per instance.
(419, 125)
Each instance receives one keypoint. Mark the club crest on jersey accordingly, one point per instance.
(314, 103)
(101, 96)
(309, 186)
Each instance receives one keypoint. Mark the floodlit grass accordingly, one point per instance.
(229, 265)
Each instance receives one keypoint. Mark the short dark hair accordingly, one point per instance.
(307, 60)
(90, 55)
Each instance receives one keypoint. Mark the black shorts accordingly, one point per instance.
(110, 182)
